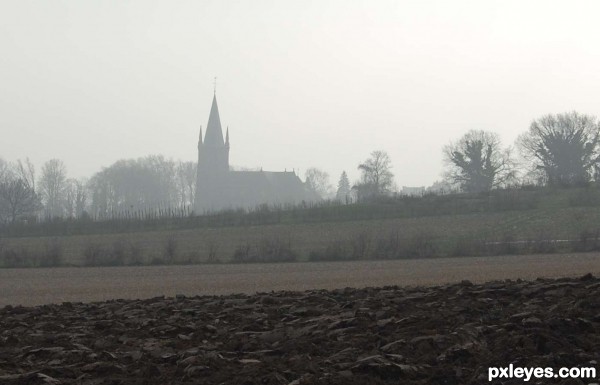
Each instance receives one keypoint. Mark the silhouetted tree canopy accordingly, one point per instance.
(376, 176)
(186, 182)
(18, 199)
(565, 148)
(318, 181)
(477, 162)
(135, 184)
(52, 187)
(75, 197)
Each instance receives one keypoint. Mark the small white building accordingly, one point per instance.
(412, 191)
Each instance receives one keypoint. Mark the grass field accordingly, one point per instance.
(493, 229)
(55, 285)
(359, 237)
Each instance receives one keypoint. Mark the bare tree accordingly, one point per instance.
(318, 182)
(376, 176)
(477, 162)
(52, 187)
(565, 148)
(26, 172)
(135, 184)
(186, 183)
(17, 196)
(75, 197)
(17, 200)
(5, 169)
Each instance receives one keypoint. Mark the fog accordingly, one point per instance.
(299, 84)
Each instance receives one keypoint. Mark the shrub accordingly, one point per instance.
(543, 243)
(266, 250)
(512, 199)
(588, 241)
(422, 245)
(506, 245)
(360, 245)
(171, 249)
(242, 253)
(16, 257)
(585, 197)
(52, 255)
(468, 246)
(389, 247)
(213, 248)
(125, 252)
(136, 255)
(337, 250)
(96, 254)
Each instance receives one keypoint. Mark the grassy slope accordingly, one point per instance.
(553, 217)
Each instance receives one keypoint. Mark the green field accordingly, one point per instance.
(528, 222)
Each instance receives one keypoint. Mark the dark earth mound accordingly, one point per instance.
(425, 335)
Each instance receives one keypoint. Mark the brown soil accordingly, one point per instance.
(446, 334)
(30, 287)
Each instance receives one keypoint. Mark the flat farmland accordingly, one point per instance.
(30, 287)
(197, 245)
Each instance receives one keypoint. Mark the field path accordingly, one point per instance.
(55, 285)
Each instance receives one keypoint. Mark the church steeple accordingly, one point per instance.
(214, 133)
(213, 163)
(227, 138)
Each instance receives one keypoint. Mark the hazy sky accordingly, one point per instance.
(300, 83)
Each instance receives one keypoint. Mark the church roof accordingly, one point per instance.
(214, 133)
(250, 188)
(286, 184)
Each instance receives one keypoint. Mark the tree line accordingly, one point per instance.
(557, 150)
(127, 187)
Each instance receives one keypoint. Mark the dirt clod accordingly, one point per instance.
(416, 335)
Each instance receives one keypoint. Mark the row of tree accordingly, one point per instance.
(376, 179)
(146, 184)
(142, 184)
(561, 149)
(557, 150)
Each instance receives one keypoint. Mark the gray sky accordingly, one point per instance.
(300, 83)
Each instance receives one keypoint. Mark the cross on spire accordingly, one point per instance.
(215, 85)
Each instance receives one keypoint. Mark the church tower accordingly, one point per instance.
(213, 164)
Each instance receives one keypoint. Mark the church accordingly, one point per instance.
(218, 187)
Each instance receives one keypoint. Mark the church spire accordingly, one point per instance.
(227, 137)
(214, 133)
